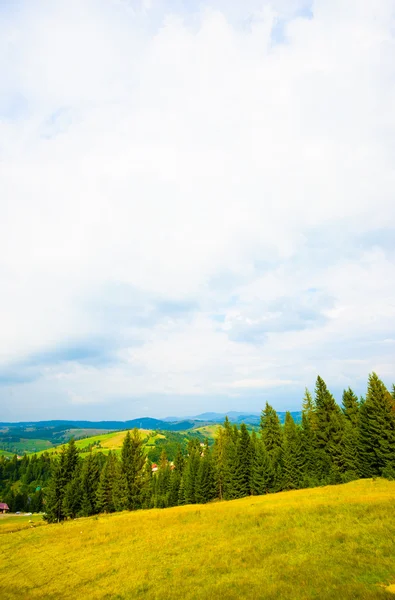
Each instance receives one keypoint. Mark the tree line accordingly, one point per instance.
(22, 481)
(332, 444)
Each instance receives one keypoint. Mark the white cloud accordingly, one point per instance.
(162, 157)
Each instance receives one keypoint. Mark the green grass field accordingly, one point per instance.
(333, 542)
(110, 441)
(209, 431)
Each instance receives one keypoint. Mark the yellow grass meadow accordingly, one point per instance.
(333, 542)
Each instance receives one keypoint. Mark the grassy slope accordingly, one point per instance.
(328, 543)
(209, 431)
(110, 441)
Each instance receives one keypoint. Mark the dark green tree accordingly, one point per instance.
(262, 472)
(328, 435)
(272, 437)
(241, 473)
(351, 406)
(132, 466)
(107, 483)
(292, 455)
(205, 486)
(377, 430)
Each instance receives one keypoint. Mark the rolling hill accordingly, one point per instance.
(324, 543)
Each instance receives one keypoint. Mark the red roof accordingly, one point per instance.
(3, 506)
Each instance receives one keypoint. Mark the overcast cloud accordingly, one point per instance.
(196, 204)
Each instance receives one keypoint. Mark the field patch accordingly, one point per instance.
(323, 543)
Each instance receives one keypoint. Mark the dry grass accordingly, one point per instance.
(327, 543)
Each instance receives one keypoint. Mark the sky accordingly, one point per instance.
(196, 204)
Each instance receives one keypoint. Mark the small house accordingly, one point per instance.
(154, 467)
(3, 507)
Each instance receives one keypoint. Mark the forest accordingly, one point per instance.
(332, 444)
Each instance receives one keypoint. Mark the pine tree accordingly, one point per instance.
(262, 472)
(309, 410)
(220, 462)
(205, 486)
(162, 484)
(272, 437)
(90, 473)
(350, 459)
(56, 490)
(309, 461)
(190, 474)
(63, 471)
(327, 434)
(181, 492)
(132, 461)
(377, 430)
(292, 457)
(351, 406)
(241, 474)
(105, 490)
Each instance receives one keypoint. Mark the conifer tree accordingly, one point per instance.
(309, 410)
(105, 490)
(351, 406)
(89, 482)
(220, 462)
(162, 484)
(63, 471)
(350, 459)
(132, 461)
(328, 434)
(377, 430)
(205, 486)
(190, 474)
(241, 474)
(175, 478)
(71, 504)
(181, 492)
(56, 490)
(309, 463)
(262, 472)
(292, 455)
(272, 437)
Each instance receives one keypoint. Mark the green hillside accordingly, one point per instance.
(333, 542)
(110, 441)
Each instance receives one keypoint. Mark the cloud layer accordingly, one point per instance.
(196, 203)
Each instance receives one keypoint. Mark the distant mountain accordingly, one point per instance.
(252, 418)
(142, 423)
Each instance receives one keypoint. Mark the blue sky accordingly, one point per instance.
(196, 204)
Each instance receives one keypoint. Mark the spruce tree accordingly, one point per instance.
(351, 406)
(262, 472)
(190, 474)
(350, 445)
(292, 455)
(105, 490)
(220, 462)
(132, 465)
(241, 474)
(377, 430)
(63, 471)
(309, 461)
(162, 484)
(272, 437)
(71, 504)
(56, 489)
(205, 486)
(90, 473)
(328, 433)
